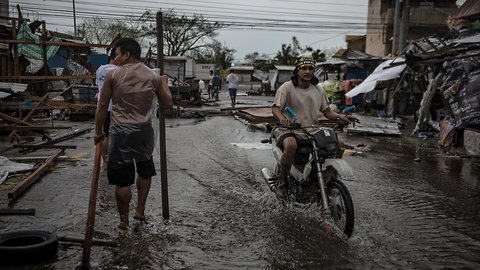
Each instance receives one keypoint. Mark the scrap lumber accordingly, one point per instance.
(36, 158)
(14, 120)
(60, 138)
(58, 104)
(43, 146)
(29, 128)
(14, 211)
(79, 240)
(27, 182)
(31, 113)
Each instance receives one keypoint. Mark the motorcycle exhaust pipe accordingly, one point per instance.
(271, 182)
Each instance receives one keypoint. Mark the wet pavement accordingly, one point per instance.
(409, 214)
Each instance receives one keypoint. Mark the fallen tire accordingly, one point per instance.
(27, 247)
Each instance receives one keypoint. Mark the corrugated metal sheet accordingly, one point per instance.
(470, 8)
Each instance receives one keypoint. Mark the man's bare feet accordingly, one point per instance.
(122, 227)
(139, 217)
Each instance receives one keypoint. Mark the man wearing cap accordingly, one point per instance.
(307, 99)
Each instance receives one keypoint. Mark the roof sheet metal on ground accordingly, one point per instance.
(375, 126)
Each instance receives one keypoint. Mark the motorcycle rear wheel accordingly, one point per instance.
(341, 206)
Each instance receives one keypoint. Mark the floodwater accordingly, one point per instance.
(409, 214)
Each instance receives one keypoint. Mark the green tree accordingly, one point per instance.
(251, 57)
(217, 53)
(286, 55)
(102, 31)
(183, 35)
(289, 52)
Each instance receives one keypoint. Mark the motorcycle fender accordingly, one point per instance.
(341, 166)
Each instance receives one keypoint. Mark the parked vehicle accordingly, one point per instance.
(316, 175)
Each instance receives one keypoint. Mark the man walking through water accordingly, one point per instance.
(132, 87)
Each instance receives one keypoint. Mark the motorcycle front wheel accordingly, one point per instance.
(341, 206)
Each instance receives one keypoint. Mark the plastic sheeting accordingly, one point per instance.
(7, 166)
(382, 73)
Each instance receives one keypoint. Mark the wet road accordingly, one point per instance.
(409, 215)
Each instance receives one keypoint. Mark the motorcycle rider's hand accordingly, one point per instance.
(352, 119)
(285, 122)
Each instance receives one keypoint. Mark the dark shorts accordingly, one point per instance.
(123, 175)
(106, 125)
(232, 91)
(216, 89)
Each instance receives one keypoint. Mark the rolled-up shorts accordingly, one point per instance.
(280, 133)
(232, 91)
(130, 146)
(123, 175)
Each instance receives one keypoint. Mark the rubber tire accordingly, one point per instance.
(347, 201)
(27, 247)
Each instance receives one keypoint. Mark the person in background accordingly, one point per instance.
(134, 90)
(100, 78)
(232, 80)
(210, 83)
(216, 85)
(201, 88)
(307, 99)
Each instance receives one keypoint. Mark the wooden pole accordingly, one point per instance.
(161, 120)
(92, 204)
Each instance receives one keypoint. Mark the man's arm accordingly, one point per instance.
(102, 108)
(278, 114)
(330, 114)
(163, 93)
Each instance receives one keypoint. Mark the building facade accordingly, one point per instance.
(425, 18)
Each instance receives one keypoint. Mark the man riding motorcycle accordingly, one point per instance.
(307, 98)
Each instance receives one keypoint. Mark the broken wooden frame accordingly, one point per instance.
(27, 182)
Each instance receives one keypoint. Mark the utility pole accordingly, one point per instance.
(74, 20)
(396, 25)
(404, 25)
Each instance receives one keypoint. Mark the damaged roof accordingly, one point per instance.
(353, 55)
(469, 10)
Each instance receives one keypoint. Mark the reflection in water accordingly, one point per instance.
(409, 214)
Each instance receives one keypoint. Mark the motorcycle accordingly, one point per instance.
(316, 175)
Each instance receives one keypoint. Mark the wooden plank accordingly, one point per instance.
(63, 104)
(14, 120)
(14, 211)
(27, 182)
(42, 146)
(48, 78)
(31, 112)
(36, 158)
(79, 240)
(55, 43)
(28, 128)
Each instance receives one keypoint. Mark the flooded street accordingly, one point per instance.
(408, 214)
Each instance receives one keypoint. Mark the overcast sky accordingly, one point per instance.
(253, 25)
